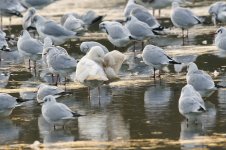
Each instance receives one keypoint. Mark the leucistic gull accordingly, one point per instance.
(29, 47)
(90, 71)
(156, 57)
(190, 103)
(7, 104)
(220, 38)
(57, 114)
(200, 80)
(112, 64)
(56, 32)
(45, 90)
(27, 19)
(218, 12)
(117, 34)
(87, 45)
(178, 15)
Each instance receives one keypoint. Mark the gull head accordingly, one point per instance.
(49, 100)
(175, 4)
(25, 34)
(96, 54)
(84, 47)
(187, 90)
(192, 67)
(37, 20)
(221, 31)
(31, 11)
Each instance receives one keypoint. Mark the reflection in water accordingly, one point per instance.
(156, 101)
(184, 60)
(30, 83)
(103, 127)
(8, 131)
(4, 78)
(51, 136)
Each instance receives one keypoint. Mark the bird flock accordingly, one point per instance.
(100, 65)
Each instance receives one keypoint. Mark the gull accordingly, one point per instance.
(10, 8)
(59, 63)
(90, 70)
(87, 45)
(89, 18)
(27, 19)
(191, 103)
(118, 35)
(220, 38)
(74, 24)
(3, 43)
(131, 4)
(156, 57)
(178, 16)
(159, 4)
(45, 90)
(57, 33)
(139, 30)
(36, 4)
(112, 64)
(144, 16)
(57, 113)
(218, 12)
(29, 47)
(7, 104)
(200, 80)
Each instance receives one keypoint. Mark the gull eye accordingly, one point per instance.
(219, 31)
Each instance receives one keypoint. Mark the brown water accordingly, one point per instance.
(133, 108)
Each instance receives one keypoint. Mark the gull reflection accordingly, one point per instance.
(156, 101)
(8, 131)
(4, 78)
(52, 136)
(27, 86)
(184, 60)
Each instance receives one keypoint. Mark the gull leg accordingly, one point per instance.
(159, 13)
(153, 12)
(57, 78)
(142, 45)
(88, 93)
(99, 94)
(29, 64)
(187, 33)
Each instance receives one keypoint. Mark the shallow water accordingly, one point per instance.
(133, 108)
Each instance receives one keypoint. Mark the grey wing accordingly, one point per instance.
(190, 16)
(53, 29)
(147, 18)
(116, 32)
(138, 29)
(31, 46)
(64, 61)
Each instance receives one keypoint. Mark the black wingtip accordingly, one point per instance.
(174, 62)
(77, 114)
(19, 100)
(201, 109)
(219, 86)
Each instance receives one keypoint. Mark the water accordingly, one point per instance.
(134, 108)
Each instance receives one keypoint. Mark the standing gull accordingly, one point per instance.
(57, 33)
(218, 12)
(131, 4)
(27, 19)
(191, 103)
(220, 39)
(29, 47)
(156, 57)
(118, 35)
(57, 113)
(45, 90)
(178, 16)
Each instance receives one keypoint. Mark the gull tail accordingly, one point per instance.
(99, 18)
(171, 61)
(219, 86)
(77, 114)
(201, 109)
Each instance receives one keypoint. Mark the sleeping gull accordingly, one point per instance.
(29, 47)
(218, 12)
(200, 80)
(57, 114)
(90, 70)
(220, 38)
(178, 16)
(57, 33)
(7, 104)
(112, 64)
(117, 34)
(45, 90)
(156, 57)
(191, 103)
(87, 45)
